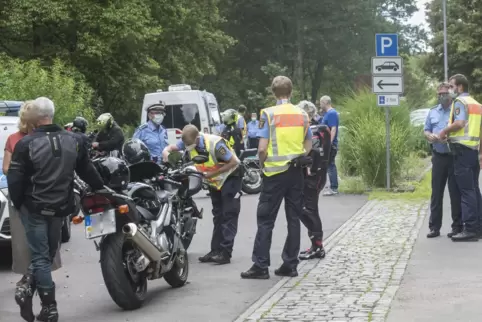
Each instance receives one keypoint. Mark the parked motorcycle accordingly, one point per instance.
(140, 227)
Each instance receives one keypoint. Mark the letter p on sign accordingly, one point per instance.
(386, 45)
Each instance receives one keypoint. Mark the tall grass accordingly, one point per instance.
(363, 148)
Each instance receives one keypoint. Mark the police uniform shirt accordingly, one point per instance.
(263, 128)
(253, 129)
(240, 122)
(460, 113)
(222, 152)
(437, 120)
(153, 136)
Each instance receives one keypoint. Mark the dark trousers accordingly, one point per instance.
(310, 216)
(253, 143)
(443, 172)
(43, 238)
(226, 208)
(466, 168)
(332, 170)
(287, 185)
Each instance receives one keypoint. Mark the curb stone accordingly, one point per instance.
(375, 311)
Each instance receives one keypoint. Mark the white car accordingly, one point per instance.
(418, 117)
(9, 125)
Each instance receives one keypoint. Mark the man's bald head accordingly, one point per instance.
(189, 134)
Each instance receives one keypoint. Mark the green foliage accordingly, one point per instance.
(464, 36)
(363, 151)
(65, 86)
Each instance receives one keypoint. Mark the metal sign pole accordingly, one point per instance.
(446, 64)
(387, 125)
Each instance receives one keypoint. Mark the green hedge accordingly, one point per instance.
(363, 148)
(20, 80)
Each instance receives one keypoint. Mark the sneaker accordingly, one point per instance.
(330, 192)
(313, 252)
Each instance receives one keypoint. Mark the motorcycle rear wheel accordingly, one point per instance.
(127, 292)
(256, 186)
(179, 272)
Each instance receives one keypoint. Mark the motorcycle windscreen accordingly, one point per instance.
(144, 170)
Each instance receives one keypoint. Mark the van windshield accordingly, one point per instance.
(178, 116)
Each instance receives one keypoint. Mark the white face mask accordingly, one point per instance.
(158, 118)
(453, 93)
(253, 119)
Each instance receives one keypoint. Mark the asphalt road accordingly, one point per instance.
(213, 293)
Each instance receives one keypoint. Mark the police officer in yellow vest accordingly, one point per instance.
(463, 134)
(223, 175)
(285, 137)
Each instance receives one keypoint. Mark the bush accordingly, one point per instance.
(20, 80)
(363, 148)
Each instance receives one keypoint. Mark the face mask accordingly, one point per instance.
(253, 119)
(191, 147)
(453, 93)
(158, 118)
(444, 99)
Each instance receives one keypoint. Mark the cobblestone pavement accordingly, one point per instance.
(356, 282)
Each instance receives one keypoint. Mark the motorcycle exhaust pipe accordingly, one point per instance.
(143, 242)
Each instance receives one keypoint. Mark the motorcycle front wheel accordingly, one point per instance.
(126, 287)
(252, 181)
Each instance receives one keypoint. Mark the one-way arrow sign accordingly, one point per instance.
(387, 85)
(381, 84)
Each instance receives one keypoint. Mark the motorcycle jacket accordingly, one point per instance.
(234, 136)
(111, 139)
(321, 147)
(41, 174)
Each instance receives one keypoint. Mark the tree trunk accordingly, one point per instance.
(316, 82)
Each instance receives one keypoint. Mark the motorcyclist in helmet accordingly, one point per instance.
(315, 179)
(110, 137)
(135, 151)
(80, 124)
(231, 132)
(68, 126)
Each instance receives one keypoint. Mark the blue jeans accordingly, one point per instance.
(43, 238)
(332, 171)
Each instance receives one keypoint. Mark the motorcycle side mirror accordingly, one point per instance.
(199, 159)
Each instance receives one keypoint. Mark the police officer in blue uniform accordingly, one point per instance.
(152, 133)
(253, 138)
(442, 166)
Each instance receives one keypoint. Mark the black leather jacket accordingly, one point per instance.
(41, 173)
(111, 139)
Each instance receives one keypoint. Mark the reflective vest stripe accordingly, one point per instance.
(213, 164)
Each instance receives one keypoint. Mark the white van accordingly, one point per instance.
(184, 106)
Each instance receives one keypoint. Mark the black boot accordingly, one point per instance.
(49, 311)
(23, 296)
(256, 273)
(465, 236)
(208, 258)
(221, 258)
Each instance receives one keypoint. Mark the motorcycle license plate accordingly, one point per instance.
(100, 224)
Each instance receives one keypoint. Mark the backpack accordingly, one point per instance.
(321, 147)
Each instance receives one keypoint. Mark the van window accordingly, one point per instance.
(178, 116)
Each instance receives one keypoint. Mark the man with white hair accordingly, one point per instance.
(40, 182)
(331, 119)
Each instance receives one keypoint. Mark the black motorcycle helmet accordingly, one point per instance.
(80, 124)
(113, 171)
(135, 151)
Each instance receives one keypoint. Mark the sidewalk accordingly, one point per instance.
(356, 282)
(443, 281)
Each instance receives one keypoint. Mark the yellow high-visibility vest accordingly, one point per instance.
(470, 134)
(213, 163)
(288, 126)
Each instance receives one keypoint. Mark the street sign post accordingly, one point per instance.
(387, 84)
(387, 81)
